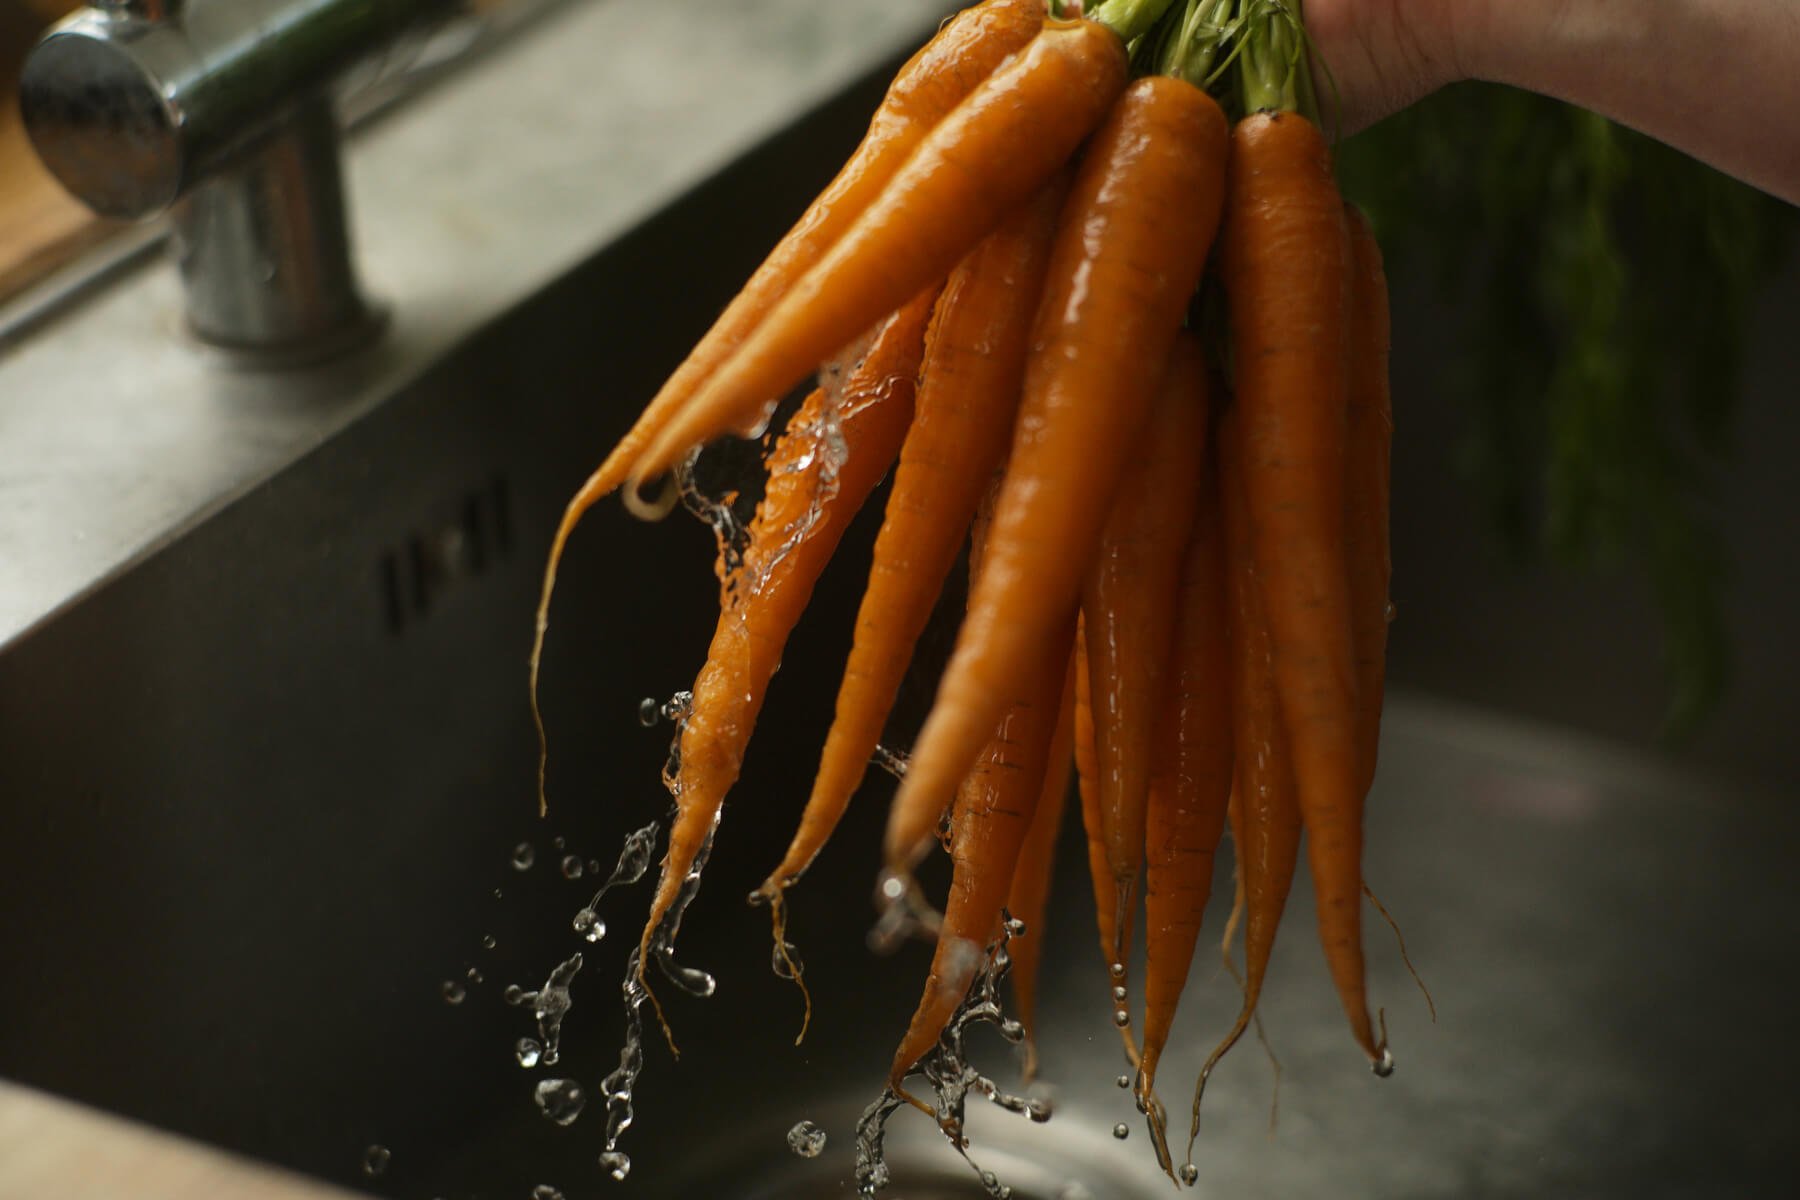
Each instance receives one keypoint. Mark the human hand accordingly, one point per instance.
(1374, 57)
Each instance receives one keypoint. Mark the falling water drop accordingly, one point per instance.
(1123, 1081)
(544, 1191)
(1118, 970)
(474, 976)
(571, 866)
(557, 843)
(648, 711)
(1190, 1174)
(806, 1139)
(488, 942)
(1121, 1018)
(375, 1160)
(453, 992)
(528, 1052)
(561, 1100)
(522, 858)
(589, 925)
(514, 994)
(1121, 1131)
(617, 1164)
(1119, 993)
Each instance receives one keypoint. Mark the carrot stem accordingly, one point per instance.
(1274, 74)
(1190, 53)
(1130, 19)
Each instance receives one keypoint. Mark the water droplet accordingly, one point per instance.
(593, 866)
(453, 992)
(1190, 1174)
(1015, 928)
(523, 857)
(1040, 1109)
(561, 1100)
(589, 925)
(557, 843)
(1123, 1081)
(617, 1163)
(1118, 970)
(1012, 1031)
(678, 706)
(571, 866)
(1121, 1018)
(892, 887)
(1384, 1066)
(528, 1052)
(551, 1003)
(648, 711)
(989, 1180)
(1119, 993)
(544, 1191)
(1390, 612)
(1121, 1131)
(474, 975)
(488, 942)
(784, 960)
(375, 1160)
(806, 1139)
(497, 893)
(514, 994)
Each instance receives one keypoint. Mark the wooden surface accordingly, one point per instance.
(52, 1148)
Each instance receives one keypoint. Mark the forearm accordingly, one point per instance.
(1718, 79)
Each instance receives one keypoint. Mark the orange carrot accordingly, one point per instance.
(1128, 609)
(1192, 784)
(1107, 917)
(1128, 254)
(979, 164)
(1286, 270)
(1366, 484)
(1264, 810)
(962, 421)
(803, 514)
(994, 810)
(1028, 899)
(936, 79)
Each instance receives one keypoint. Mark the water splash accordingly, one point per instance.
(634, 861)
(894, 762)
(662, 943)
(617, 1087)
(951, 1077)
(549, 1005)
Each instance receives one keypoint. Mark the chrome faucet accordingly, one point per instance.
(218, 112)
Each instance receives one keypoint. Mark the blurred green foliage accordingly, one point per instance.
(1601, 286)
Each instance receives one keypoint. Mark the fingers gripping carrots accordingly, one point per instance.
(797, 526)
(1121, 272)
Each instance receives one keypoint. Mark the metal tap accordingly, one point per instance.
(219, 113)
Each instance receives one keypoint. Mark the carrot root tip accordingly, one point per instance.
(652, 499)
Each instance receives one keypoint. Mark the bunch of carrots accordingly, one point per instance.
(1087, 289)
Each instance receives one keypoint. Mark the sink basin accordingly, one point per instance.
(266, 787)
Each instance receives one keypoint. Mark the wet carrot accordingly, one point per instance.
(1128, 610)
(1191, 785)
(1128, 254)
(1264, 809)
(1370, 432)
(962, 422)
(964, 52)
(1286, 269)
(812, 495)
(979, 164)
(1107, 917)
(994, 810)
(1028, 898)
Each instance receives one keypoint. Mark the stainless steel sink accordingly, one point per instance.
(262, 784)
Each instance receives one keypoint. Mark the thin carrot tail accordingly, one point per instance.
(1400, 939)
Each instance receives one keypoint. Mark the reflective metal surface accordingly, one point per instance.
(219, 107)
